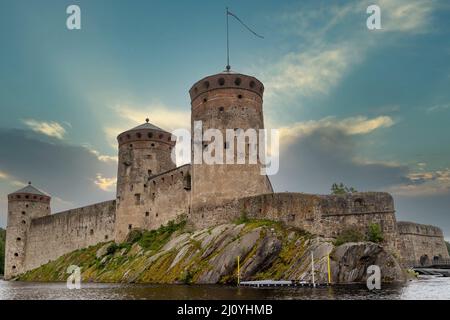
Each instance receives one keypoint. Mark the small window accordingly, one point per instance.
(150, 135)
(157, 215)
(26, 206)
(106, 237)
(221, 109)
(130, 226)
(206, 84)
(221, 81)
(16, 254)
(128, 136)
(160, 136)
(252, 84)
(204, 99)
(137, 198)
(131, 145)
(149, 172)
(91, 232)
(239, 96)
(24, 222)
(23, 213)
(152, 144)
(147, 214)
(18, 238)
(14, 267)
(237, 81)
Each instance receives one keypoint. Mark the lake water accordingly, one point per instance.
(427, 288)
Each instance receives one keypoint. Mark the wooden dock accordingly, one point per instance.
(281, 283)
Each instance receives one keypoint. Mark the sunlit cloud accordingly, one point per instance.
(51, 128)
(430, 183)
(10, 179)
(100, 156)
(105, 184)
(160, 115)
(325, 58)
(350, 126)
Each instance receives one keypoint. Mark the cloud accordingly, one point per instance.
(438, 107)
(350, 126)
(11, 180)
(105, 184)
(429, 183)
(160, 115)
(51, 129)
(332, 40)
(309, 73)
(101, 157)
(65, 171)
(407, 16)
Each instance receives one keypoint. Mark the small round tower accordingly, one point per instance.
(234, 101)
(144, 151)
(23, 205)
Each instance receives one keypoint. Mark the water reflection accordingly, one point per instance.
(430, 288)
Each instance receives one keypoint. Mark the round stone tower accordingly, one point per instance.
(23, 205)
(144, 151)
(227, 100)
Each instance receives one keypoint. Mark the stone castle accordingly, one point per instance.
(152, 191)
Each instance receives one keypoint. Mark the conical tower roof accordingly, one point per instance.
(30, 189)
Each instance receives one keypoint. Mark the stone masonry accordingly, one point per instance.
(152, 190)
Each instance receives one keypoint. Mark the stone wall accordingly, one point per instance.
(324, 215)
(421, 243)
(157, 200)
(21, 212)
(52, 236)
(227, 101)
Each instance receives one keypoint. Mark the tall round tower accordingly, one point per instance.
(23, 205)
(144, 151)
(224, 101)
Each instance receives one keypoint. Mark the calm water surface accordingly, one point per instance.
(430, 288)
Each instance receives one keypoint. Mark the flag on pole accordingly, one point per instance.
(229, 13)
(247, 27)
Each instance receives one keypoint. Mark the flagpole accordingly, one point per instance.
(228, 46)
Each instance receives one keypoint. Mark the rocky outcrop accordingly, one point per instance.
(266, 249)
(351, 260)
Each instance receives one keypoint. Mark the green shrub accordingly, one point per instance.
(375, 234)
(134, 236)
(112, 249)
(155, 239)
(243, 218)
(186, 277)
(349, 235)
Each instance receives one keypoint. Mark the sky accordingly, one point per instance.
(369, 108)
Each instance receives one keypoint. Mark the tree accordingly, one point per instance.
(341, 189)
(375, 234)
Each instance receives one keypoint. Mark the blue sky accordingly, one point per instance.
(368, 108)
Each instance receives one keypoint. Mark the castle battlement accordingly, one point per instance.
(152, 190)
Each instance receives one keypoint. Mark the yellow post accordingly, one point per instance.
(329, 269)
(238, 271)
